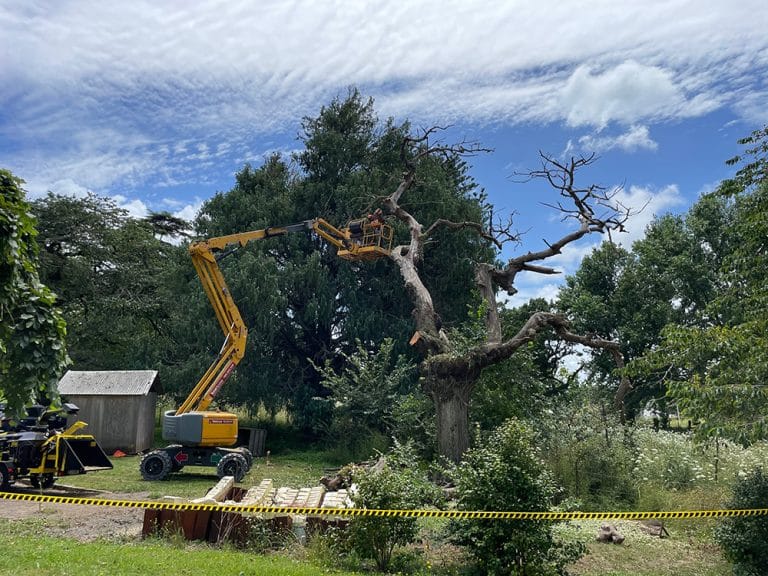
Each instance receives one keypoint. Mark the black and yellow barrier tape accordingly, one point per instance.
(351, 512)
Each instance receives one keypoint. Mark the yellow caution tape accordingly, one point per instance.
(309, 511)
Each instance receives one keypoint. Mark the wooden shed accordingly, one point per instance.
(118, 406)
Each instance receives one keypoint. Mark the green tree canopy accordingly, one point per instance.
(109, 270)
(32, 331)
(670, 276)
(717, 368)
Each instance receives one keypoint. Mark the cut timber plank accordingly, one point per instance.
(286, 496)
(338, 499)
(316, 496)
(260, 495)
(218, 493)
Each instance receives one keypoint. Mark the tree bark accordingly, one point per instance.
(451, 402)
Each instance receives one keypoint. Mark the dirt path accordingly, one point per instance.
(76, 521)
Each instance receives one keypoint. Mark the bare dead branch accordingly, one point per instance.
(502, 230)
(423, 145)
(594, 207)
(413, 149)
(477, 227)
(594, 204)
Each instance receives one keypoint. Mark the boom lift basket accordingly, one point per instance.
(371, 240)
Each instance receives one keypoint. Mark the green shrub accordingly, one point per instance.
(745, 539)
(506, 472)
(363, 394)
(594, 471)
(398, 484)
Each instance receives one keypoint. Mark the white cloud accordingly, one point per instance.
(67, 187)
(189, 212)
(652, 202)
(754, 107)
(135, 207)
(625, 93)
(635, 138)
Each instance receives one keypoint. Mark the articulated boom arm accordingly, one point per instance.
(359, 241)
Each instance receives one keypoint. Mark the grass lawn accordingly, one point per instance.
(295, 469)
(687, 552)
(26, 552)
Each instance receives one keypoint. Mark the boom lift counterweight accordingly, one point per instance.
(206, 438)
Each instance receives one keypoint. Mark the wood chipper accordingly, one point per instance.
(41, 447)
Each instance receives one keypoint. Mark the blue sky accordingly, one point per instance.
(158, 104)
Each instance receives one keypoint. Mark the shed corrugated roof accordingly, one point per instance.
(108, 382)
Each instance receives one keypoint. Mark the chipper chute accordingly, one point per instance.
(80, 454)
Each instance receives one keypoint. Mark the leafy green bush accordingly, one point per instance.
(745, 539)
(362, 396)
(506, 472)
(398, 484)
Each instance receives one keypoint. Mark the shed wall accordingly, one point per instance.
(119, 422)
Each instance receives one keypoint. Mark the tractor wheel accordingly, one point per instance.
(232, 464)
(156, 465)
(5, 478)
(43, 481)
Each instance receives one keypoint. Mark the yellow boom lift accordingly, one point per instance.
(201, 437)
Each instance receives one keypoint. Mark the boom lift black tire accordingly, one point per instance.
(42, 480)
(156, 465)
(232, 464)
(248, 455)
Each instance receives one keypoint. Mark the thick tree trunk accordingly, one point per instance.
(452, 408)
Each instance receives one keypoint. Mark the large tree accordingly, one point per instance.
(631, 295)
(302, 303)
(449, 369)
(716, 370)
(32, 330)
(109, 271)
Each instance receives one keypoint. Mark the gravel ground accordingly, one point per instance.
(83, 523)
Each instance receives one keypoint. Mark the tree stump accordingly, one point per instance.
(609, 534)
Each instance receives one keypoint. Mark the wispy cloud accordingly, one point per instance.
(140, 94)
(634, 139)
